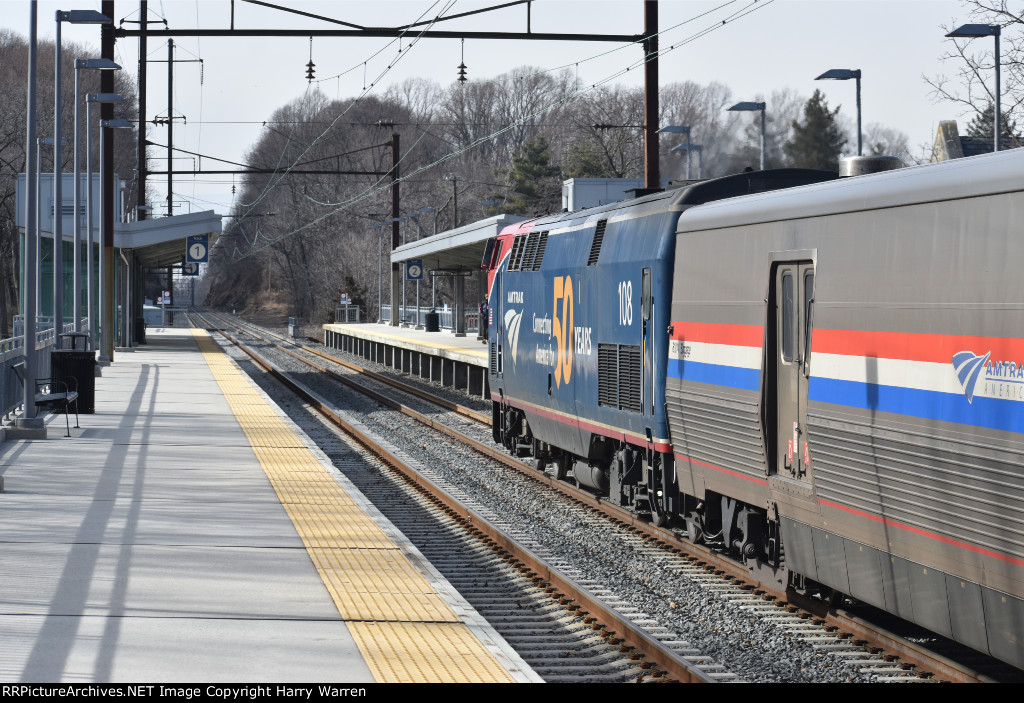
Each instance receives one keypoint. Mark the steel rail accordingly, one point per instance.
(612, 625)
(380, 378)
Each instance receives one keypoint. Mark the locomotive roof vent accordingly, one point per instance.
(863, 165)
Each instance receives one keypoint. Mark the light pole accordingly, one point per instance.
(455, 198)
(433, 279)
(90, 284)
(72, 17)
(754, 107)
(28, 419)
(969, 31)
(845, 74)
(106, 286)
(688, 148)
(419, 235)
(102, 65)
(380, 269)
(677, 129)
(396, 318)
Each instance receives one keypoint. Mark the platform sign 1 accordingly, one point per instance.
(414, 269)
(189, 268)
(197, 249)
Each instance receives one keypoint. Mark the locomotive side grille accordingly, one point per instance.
(595, 247)
(608, 375)
(630, 378)
(529, 252)
(541, 245)
(516, 257)
(494, 359)
(619, 374)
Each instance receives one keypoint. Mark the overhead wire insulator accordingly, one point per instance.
(462, 63)
(310, 66)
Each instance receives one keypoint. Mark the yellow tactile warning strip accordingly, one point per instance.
(404, 629)
(411, 648)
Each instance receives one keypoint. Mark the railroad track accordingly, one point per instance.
(840, 635)
(564, 632)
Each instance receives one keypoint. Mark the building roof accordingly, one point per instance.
(459, 249)
(950, 145)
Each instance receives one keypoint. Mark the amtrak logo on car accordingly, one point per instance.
(512, 320)
(968, 369)
(982, 376)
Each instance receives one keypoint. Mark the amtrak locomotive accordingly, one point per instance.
(823, 377)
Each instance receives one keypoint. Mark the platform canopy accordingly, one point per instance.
(157, 243)
(161, 242)
(460, 249)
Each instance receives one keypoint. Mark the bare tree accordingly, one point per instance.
(880, 140)
(972, 86)
(703, 109)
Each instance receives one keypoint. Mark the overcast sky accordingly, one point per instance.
(763, 45)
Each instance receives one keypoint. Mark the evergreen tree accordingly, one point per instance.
(818, 140)
(984, 122)
(536, 184)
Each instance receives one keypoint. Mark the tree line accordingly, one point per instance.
(468, 151)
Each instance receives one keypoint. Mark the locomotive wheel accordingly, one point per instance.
(658, 516)
(559, 468)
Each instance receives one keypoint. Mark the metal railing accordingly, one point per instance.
(44, 324)
(12, 351)
(347, 313)
(407, 315)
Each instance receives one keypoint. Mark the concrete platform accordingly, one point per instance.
(151, 546)
(457, 362)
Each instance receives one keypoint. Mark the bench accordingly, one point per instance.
(53, 394)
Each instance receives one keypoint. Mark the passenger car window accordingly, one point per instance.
(787, 316)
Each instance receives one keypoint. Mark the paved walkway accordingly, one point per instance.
(150, 546)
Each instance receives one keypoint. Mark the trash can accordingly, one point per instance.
(139, 331)
(433, 321)
(80, 365)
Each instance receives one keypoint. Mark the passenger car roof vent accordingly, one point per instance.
(864, 165)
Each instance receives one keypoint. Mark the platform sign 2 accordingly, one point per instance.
(197, 249)
(414, 269)
(189, 268)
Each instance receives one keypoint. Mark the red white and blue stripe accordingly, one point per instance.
(720, 354)
(963, 379)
